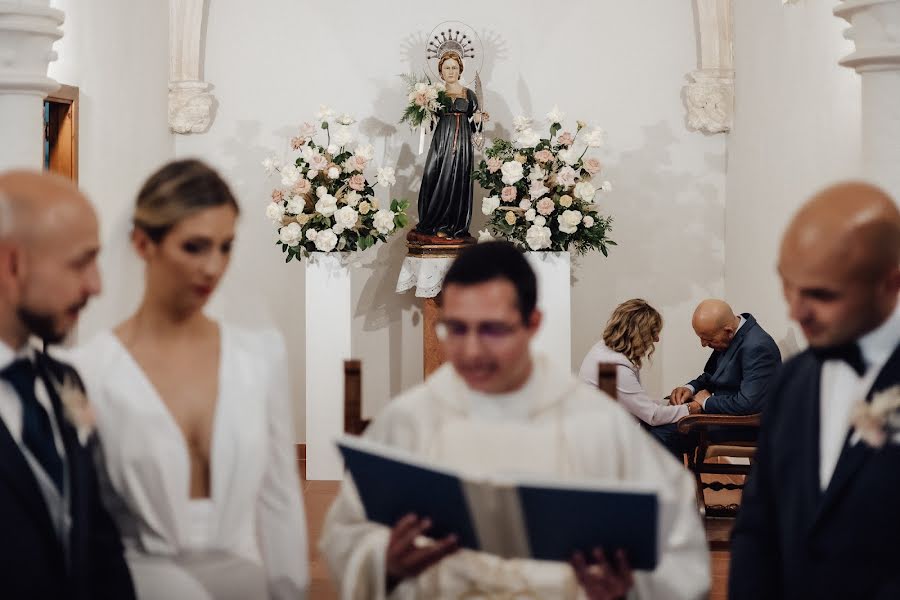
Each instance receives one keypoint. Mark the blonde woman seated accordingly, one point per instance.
(628, 339)
(194, 415)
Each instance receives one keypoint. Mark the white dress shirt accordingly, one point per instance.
(841, 388)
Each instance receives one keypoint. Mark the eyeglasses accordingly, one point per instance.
(488, 332)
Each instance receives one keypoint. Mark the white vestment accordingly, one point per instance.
(248, 539)
(558, 427)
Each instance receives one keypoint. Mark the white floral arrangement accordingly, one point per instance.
(324, 202)
(425, 100)
(542, 189)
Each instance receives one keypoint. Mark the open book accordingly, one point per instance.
(512, 517)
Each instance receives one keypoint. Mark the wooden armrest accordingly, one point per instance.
(699, 422)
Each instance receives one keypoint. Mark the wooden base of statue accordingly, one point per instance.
(420, 245)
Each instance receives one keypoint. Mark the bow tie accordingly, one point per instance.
(849, 353)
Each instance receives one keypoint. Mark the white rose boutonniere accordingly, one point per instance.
(76, 407)
(877, 421)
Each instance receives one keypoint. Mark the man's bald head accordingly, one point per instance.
(839, 262)
(49, 241)
(33, 204)
(714, 323)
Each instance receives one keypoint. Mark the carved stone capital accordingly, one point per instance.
(875, 30)
(27, 33)
(190, 106)
(710, 100)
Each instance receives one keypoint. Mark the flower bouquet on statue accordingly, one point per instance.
(324, 202)
(425, 100)
(542, 189)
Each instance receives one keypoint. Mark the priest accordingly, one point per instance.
(495, 407)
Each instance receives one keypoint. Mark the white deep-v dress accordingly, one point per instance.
(248, 539)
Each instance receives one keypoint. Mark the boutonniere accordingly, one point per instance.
(76, 407)
(876, 421)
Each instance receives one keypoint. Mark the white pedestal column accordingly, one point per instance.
(554, 272)
(875, 29)
(28, 29)
(328, 320)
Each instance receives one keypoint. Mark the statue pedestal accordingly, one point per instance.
(424, 269)
(554, 338)
(329, 317)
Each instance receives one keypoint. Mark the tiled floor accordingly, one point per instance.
(318, 496)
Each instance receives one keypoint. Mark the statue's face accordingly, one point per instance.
(450, 70)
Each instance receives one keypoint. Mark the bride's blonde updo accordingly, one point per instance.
(176, 191)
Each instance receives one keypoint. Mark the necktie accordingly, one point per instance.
(849, 353)
(37, 432)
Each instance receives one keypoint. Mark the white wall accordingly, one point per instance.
(117, 54)
(796, 129)
(617, 64)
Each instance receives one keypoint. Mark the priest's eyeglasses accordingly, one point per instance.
(487, 332)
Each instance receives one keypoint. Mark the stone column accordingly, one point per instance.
(28, 29)
(709, 97)
(190, 103)
(875, 29)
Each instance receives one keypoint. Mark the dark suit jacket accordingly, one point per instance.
(740, 376)
(793, 541)
(32, 560)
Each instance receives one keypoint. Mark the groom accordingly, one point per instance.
(57, 539)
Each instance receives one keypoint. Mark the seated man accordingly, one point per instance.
(737, 374)
(496, 408)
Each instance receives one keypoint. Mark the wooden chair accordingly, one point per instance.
(353, 421)
(606, 378)
(722, 445)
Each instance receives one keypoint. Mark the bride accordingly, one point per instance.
(193, 415)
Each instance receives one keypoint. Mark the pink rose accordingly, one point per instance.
(307, 131)
(543, 156)
(277, 196)
(566, 177)
(318, 162)
(302, 187)
(566, 138)
(508, 194)
(494, 165)
(421, 99)
(357, 163)
(297, 142)
(545, 206)
(592, 165)
(358, 183)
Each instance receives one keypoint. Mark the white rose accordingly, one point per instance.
(555, 115)
(321, 191)
(337, 229)
(489, 204)
(295, 205)
(521, 123)
(569, 156)
(326, 205)
(383, 221)
(585, 190)
(311, 234)
(332, 149)
(485, 236)
(346, 217)
(524, 204)
(566, 177)
(569, 220)
(274, 212)
(312, 174)
(537, 173)
(307, 152)
(594, 139)
(538, 237)
(530, 214)
(606, 186)
(326, 240)
(346, 119)
(290, 175)
(364, 207)
(540, 220)
(290, 234)
(386, 176)
(537, 189)
(528, 138)
(352, 198)
(512, 172)
(270, 165)
(334, 173)
(324, 113)
(342, 138)
(366, 151)
(588, 221)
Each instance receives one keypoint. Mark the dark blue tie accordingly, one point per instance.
(37, 432)
(849, 353)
